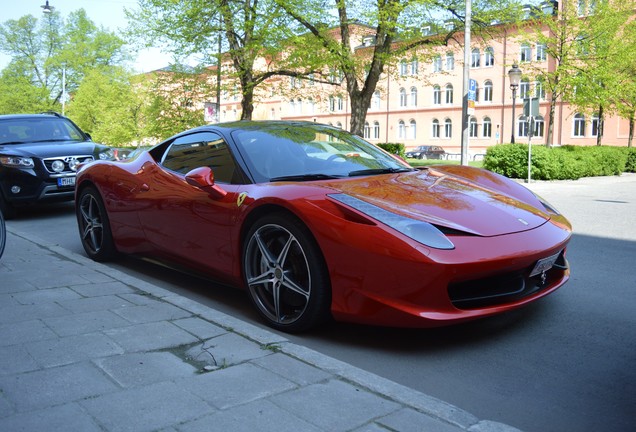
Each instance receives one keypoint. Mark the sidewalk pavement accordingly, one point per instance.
(87, 348)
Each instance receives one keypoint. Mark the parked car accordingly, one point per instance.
(3, 234)
(39, 156)
(315, 231)
(426, 152)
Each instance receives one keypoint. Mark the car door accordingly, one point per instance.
(183, 221)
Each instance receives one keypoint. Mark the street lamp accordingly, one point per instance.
(46, 8)
(515, 77)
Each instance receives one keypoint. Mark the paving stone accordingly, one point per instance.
(261, 416)
(408, 420)
(87, 322)
(292, 369)
(54, 386)
(200, 328)
(15, 314)
(156, 311)
(46, 296)
(237, 385)
(16, 359)
(24, 332)
(102, 289)
(67, 418)
(150, 336)
(90, 304)
(226, 350)
(335, 405)
(144, 409)
(73, 349)
(139, 369)
(12, 284)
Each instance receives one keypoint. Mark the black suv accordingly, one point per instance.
(426, 152)
(39, 156)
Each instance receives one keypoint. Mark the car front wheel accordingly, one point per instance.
(94, 227)
(285, 274)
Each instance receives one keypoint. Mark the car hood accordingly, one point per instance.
(445, 200)
(47, 149)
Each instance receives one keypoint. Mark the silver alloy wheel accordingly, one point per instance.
(91, 227)
(278, 274)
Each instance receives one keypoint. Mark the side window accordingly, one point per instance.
(202, 149)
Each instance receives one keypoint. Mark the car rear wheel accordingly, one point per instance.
(423, 156)
(285, 274)
(94, 227)
(3, 234)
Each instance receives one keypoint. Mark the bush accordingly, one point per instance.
(394, 148)
(559, 163)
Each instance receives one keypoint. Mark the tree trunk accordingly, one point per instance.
(601, 124)
(631, 131)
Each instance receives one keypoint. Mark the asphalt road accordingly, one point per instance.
(566, 363)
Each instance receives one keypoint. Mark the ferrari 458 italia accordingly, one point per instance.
(316, 223)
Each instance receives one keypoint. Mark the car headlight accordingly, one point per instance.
(420, 231)
(107, 155)
(17, 161)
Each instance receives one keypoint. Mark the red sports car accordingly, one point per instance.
(316, 223)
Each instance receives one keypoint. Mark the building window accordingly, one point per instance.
(332, 103)
(477, 93)
(367, 130)
(435, 128)
(449, 94)
(524, 88)
(376, 130)
(402, 97)
(377, 100)
(412, 130)
(539, 90)
(475, 57)
(539, 126)
(437, 64)
(542, 54)
(340, 104)
(404, 68)
(339, 125)
(488, 91)
(579, 125)
(472, 127)
(414, 67)
(487, 128)
(292, 107)
(595, 124)
(312, 106)
(401, 130)
(414, 96)
(437, 95)
(581, 6)
(525, 55)
(448, 128)
(272, 114)
(450, 61)
(489, 57)
(522, 126)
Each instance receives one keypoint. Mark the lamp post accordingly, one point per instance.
(515, 77)
(46, 8)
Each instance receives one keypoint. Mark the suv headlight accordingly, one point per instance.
(17, 161)
(107, 155)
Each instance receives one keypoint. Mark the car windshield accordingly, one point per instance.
(284, 152)
(38, 129)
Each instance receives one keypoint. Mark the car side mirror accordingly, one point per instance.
(203, 178)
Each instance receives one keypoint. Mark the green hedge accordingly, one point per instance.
(394, 148)
(559, 163)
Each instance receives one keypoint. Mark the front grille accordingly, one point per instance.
(504, 288)
(70, 163)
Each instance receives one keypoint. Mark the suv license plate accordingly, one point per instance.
(65, 181)
(545, 264)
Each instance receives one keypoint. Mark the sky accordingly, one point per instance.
(107, 13)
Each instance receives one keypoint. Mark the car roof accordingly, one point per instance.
(29, 116)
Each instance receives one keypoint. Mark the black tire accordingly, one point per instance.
(285, 274)
(3, 234)
(422, 156)
(94, 226)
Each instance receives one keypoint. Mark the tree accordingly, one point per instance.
(252, 31)
(108, 106)
(396, 32)
(41, 50)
